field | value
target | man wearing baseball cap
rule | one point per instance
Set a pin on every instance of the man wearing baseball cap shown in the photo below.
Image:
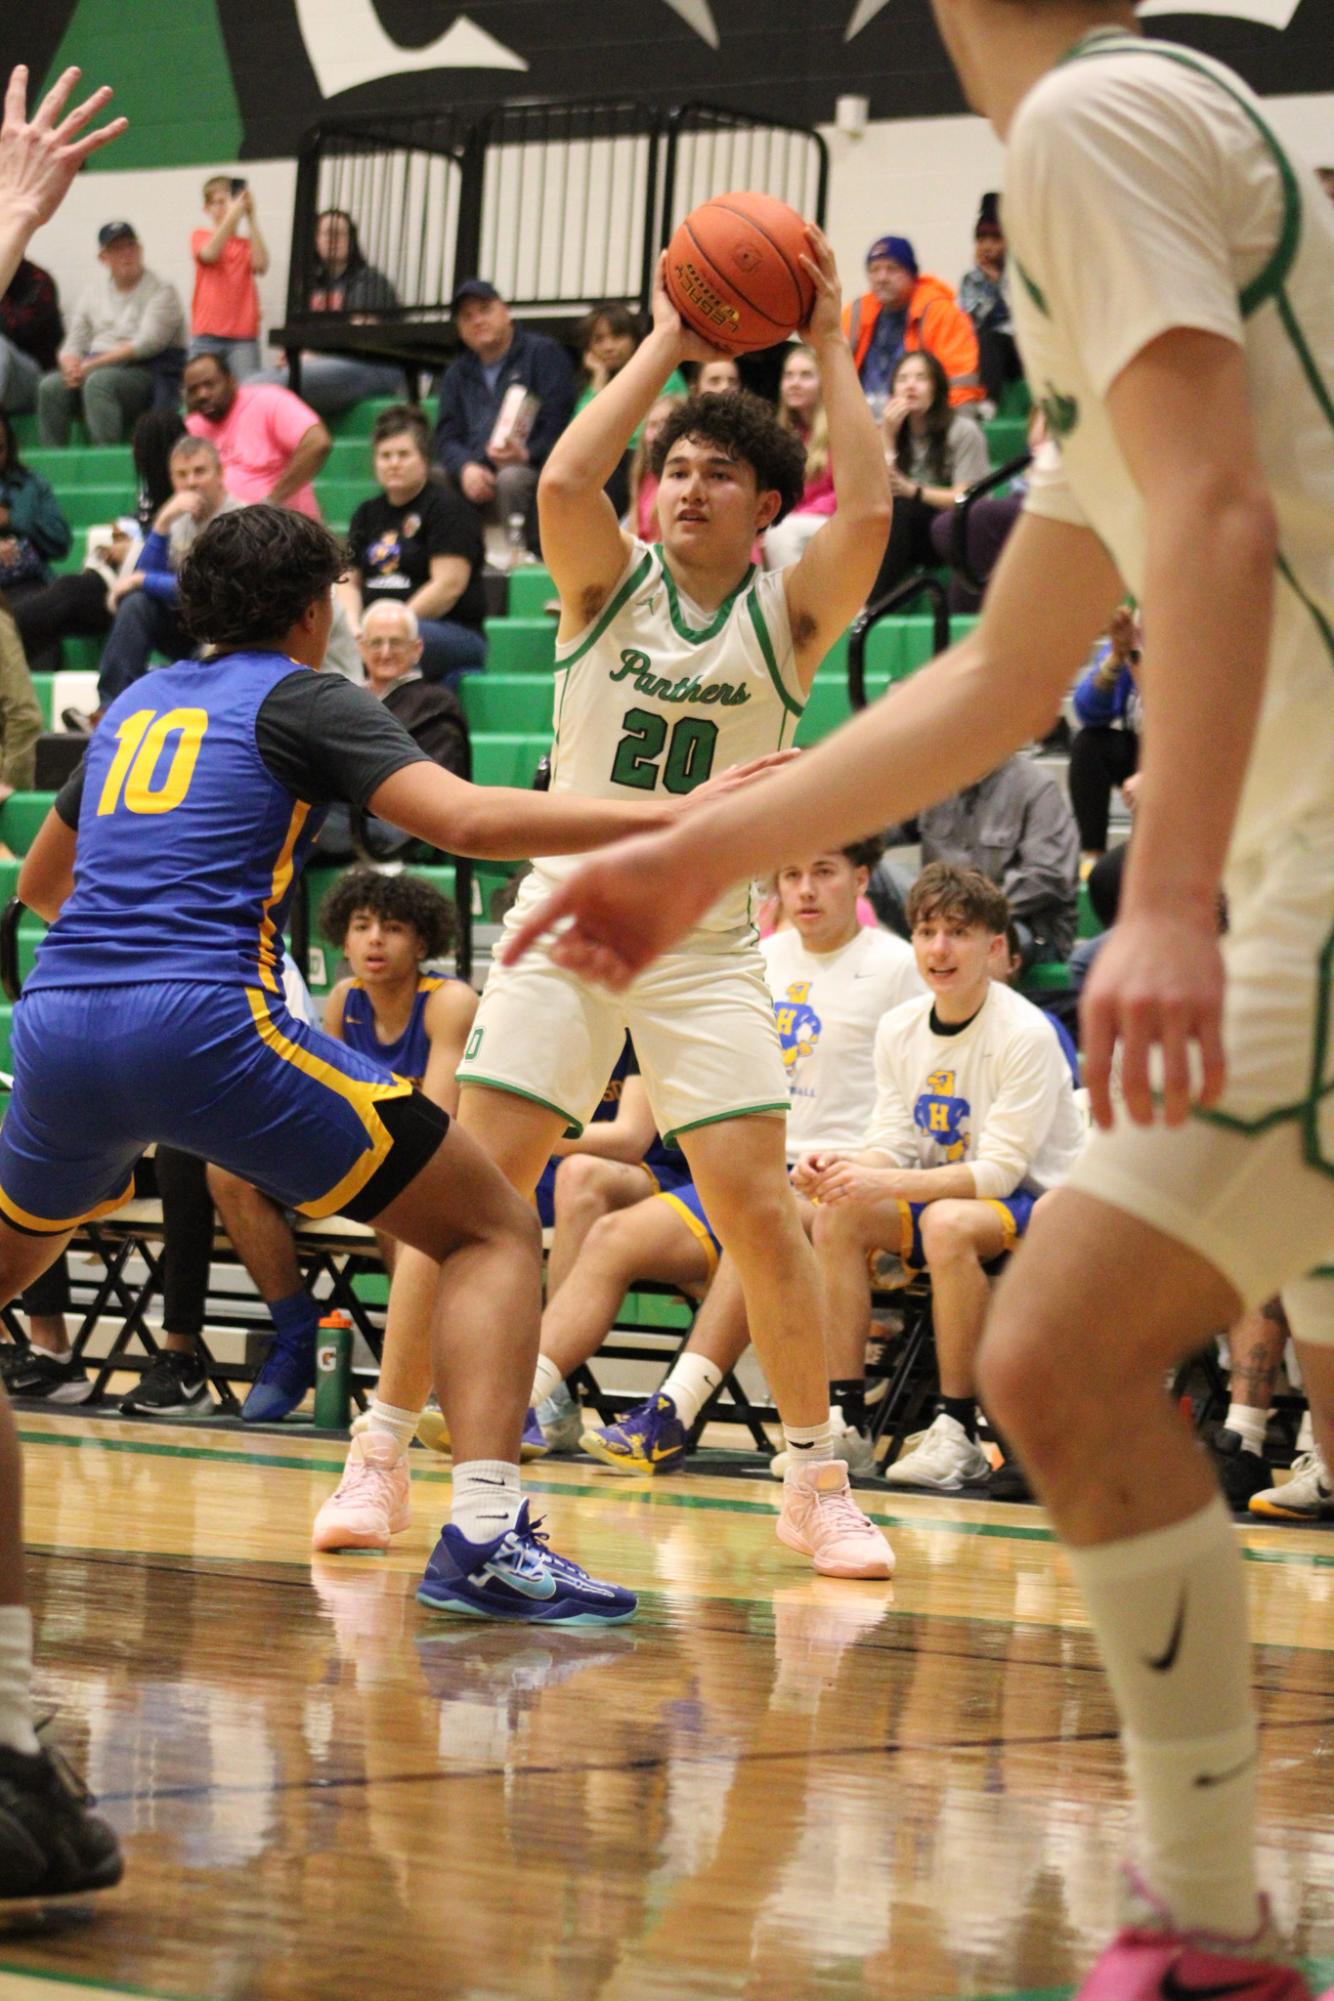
(497, 470)
(903, 311)
(123, 334)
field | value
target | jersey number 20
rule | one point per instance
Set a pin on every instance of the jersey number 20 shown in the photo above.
(689, 756)
(141, 749)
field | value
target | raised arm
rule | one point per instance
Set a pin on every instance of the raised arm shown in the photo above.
(39, 158)
(582, 541)
(833, 579)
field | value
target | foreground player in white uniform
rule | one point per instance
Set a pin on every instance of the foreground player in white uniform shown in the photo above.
(1173, 274)
(673, 661)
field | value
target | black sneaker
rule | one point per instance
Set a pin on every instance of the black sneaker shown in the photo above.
(1009, 1482)
(50, 1844)
(14, 1355)
(175, 1387)
(41, 1377)
(1241, 1472)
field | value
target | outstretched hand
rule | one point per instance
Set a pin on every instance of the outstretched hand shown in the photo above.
(39, 157)
(825, 320)
(736, 776)
(618, 912)
(1158, 984)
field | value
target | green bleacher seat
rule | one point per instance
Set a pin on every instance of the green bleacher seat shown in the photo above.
(1047, 977)
(520, 645)
(1015, 400)
(505, 758)
(31, 932)
(82, 506)
(42, 684)
(20, 817)
(1006, 438)
(1086, 923)
(9, 880)
(84, 465)
(507, 701)
(530, 588)
(6, 1023)
(357, 422)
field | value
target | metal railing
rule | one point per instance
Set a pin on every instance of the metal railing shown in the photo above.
(960, 560)
(921, 585)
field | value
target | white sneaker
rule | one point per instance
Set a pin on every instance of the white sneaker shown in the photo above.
(1305, 1496)
(855, 1448)
(945, 1460)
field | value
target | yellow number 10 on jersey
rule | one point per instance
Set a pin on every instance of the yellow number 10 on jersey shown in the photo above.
(141, 750)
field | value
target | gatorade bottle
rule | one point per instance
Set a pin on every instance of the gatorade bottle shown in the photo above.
(333, 1372)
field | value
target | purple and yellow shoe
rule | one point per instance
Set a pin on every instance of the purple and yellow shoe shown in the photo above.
(648, 1439)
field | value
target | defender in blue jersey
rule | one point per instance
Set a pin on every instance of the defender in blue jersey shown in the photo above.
(177, 847)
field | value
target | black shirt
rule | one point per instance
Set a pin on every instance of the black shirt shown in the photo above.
(318, 735)
(392, 548)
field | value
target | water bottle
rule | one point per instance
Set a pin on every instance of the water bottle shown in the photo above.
(517, 540)
(333, 1372)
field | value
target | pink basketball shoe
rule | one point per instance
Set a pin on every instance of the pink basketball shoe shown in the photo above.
(371, 1502)
(1150, 1961)
(820, 1519)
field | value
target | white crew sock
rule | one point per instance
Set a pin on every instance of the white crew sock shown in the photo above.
(16, 1680)
(807, 1443)
(487, 1498)
(1169, 1612)
(1249, 1424)
(1306, 1434)
(691, 1383)
(547, 1378)
(388, 1418)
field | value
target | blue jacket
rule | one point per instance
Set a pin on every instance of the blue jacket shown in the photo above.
(34, 512)
(1097, 707)
(468, 409)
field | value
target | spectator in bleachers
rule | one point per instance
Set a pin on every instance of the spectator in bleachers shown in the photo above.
(1015, 826)
(419, 544)
(720, 377)
(143, 600)
(990, 519)
(607, 337)
(270, 442)
(831, 978)
(33, 531)
(498, 474)
(975, 1116)
(641, 515)
(984, 295)
(224, 316)
(904, 311)
(343, 282)
(20, 712)
(122, 349)
(801, 410)
(31, 331)
(1104, 750)
(390, 646)
(934, 454)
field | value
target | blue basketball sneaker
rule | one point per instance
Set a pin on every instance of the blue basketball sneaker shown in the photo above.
(534, 1445)
(517, 1577)
(648, 1439)
(280, 1385)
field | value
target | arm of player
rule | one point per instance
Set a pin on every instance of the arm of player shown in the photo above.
(46, 878)
(40, 157)
(834, 577)
(448, 1019)
(501, 823)
(1182, 415)
(626, 1138)
(582, 541)
(1050, 596)
(331, 1018)
(863, 1177)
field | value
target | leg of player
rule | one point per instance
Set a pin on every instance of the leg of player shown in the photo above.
(650, 1240)
(489, 1561)
(263, 1241)
(50, 1844)
(718, 1340)
(957, 1237)
(1255, 1348)
(1093, 1312)
(740, 1170)
(1308, 1496)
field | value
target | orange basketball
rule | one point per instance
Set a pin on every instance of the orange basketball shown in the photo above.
(734, 271)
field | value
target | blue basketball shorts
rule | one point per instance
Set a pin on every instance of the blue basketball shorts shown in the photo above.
(658, 1177)
(222, 1071)
(1013, 1211)
(685, 1200)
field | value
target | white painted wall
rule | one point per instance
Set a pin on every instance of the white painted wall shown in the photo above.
(919, 178)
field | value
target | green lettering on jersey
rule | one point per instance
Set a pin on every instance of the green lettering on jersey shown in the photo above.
(685, 691)
(1061, 412)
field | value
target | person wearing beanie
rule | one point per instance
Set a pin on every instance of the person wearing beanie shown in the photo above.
(903, 311)
(985, 296)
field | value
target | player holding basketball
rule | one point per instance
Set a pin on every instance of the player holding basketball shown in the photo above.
(672, 661)
(1173, 273)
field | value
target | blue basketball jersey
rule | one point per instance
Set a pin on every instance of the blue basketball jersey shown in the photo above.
(188, 847)
(407, 1056)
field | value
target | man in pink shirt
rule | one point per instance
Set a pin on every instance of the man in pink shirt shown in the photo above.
(270, 442)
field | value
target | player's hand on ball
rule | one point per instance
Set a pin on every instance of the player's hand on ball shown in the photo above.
(826, 316)
(689, 346)
(618, 911)
(1157, 983)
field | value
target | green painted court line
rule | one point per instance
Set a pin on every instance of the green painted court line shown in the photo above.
(652, 1498)
(91, 1984)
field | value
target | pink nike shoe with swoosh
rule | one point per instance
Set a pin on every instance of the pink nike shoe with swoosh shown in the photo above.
(1151, 1961)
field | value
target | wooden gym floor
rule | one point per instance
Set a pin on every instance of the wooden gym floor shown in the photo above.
(770, 1785)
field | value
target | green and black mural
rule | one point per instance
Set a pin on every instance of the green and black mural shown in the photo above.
(218, 79)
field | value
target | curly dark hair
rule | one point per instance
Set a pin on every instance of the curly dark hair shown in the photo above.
(865, 854)
(747, 428)
(251, 574)
(400, 899)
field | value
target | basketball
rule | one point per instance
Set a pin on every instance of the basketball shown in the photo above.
(734, 271)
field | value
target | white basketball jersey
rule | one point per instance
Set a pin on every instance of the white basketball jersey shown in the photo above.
(658, 695)
(1145, 191)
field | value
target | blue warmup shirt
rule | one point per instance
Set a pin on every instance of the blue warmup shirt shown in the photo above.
(407, 1056)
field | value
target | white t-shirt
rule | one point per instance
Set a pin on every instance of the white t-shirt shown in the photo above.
(659, 694)
(996, 1096)
(827, 1006)
(1145, 191)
